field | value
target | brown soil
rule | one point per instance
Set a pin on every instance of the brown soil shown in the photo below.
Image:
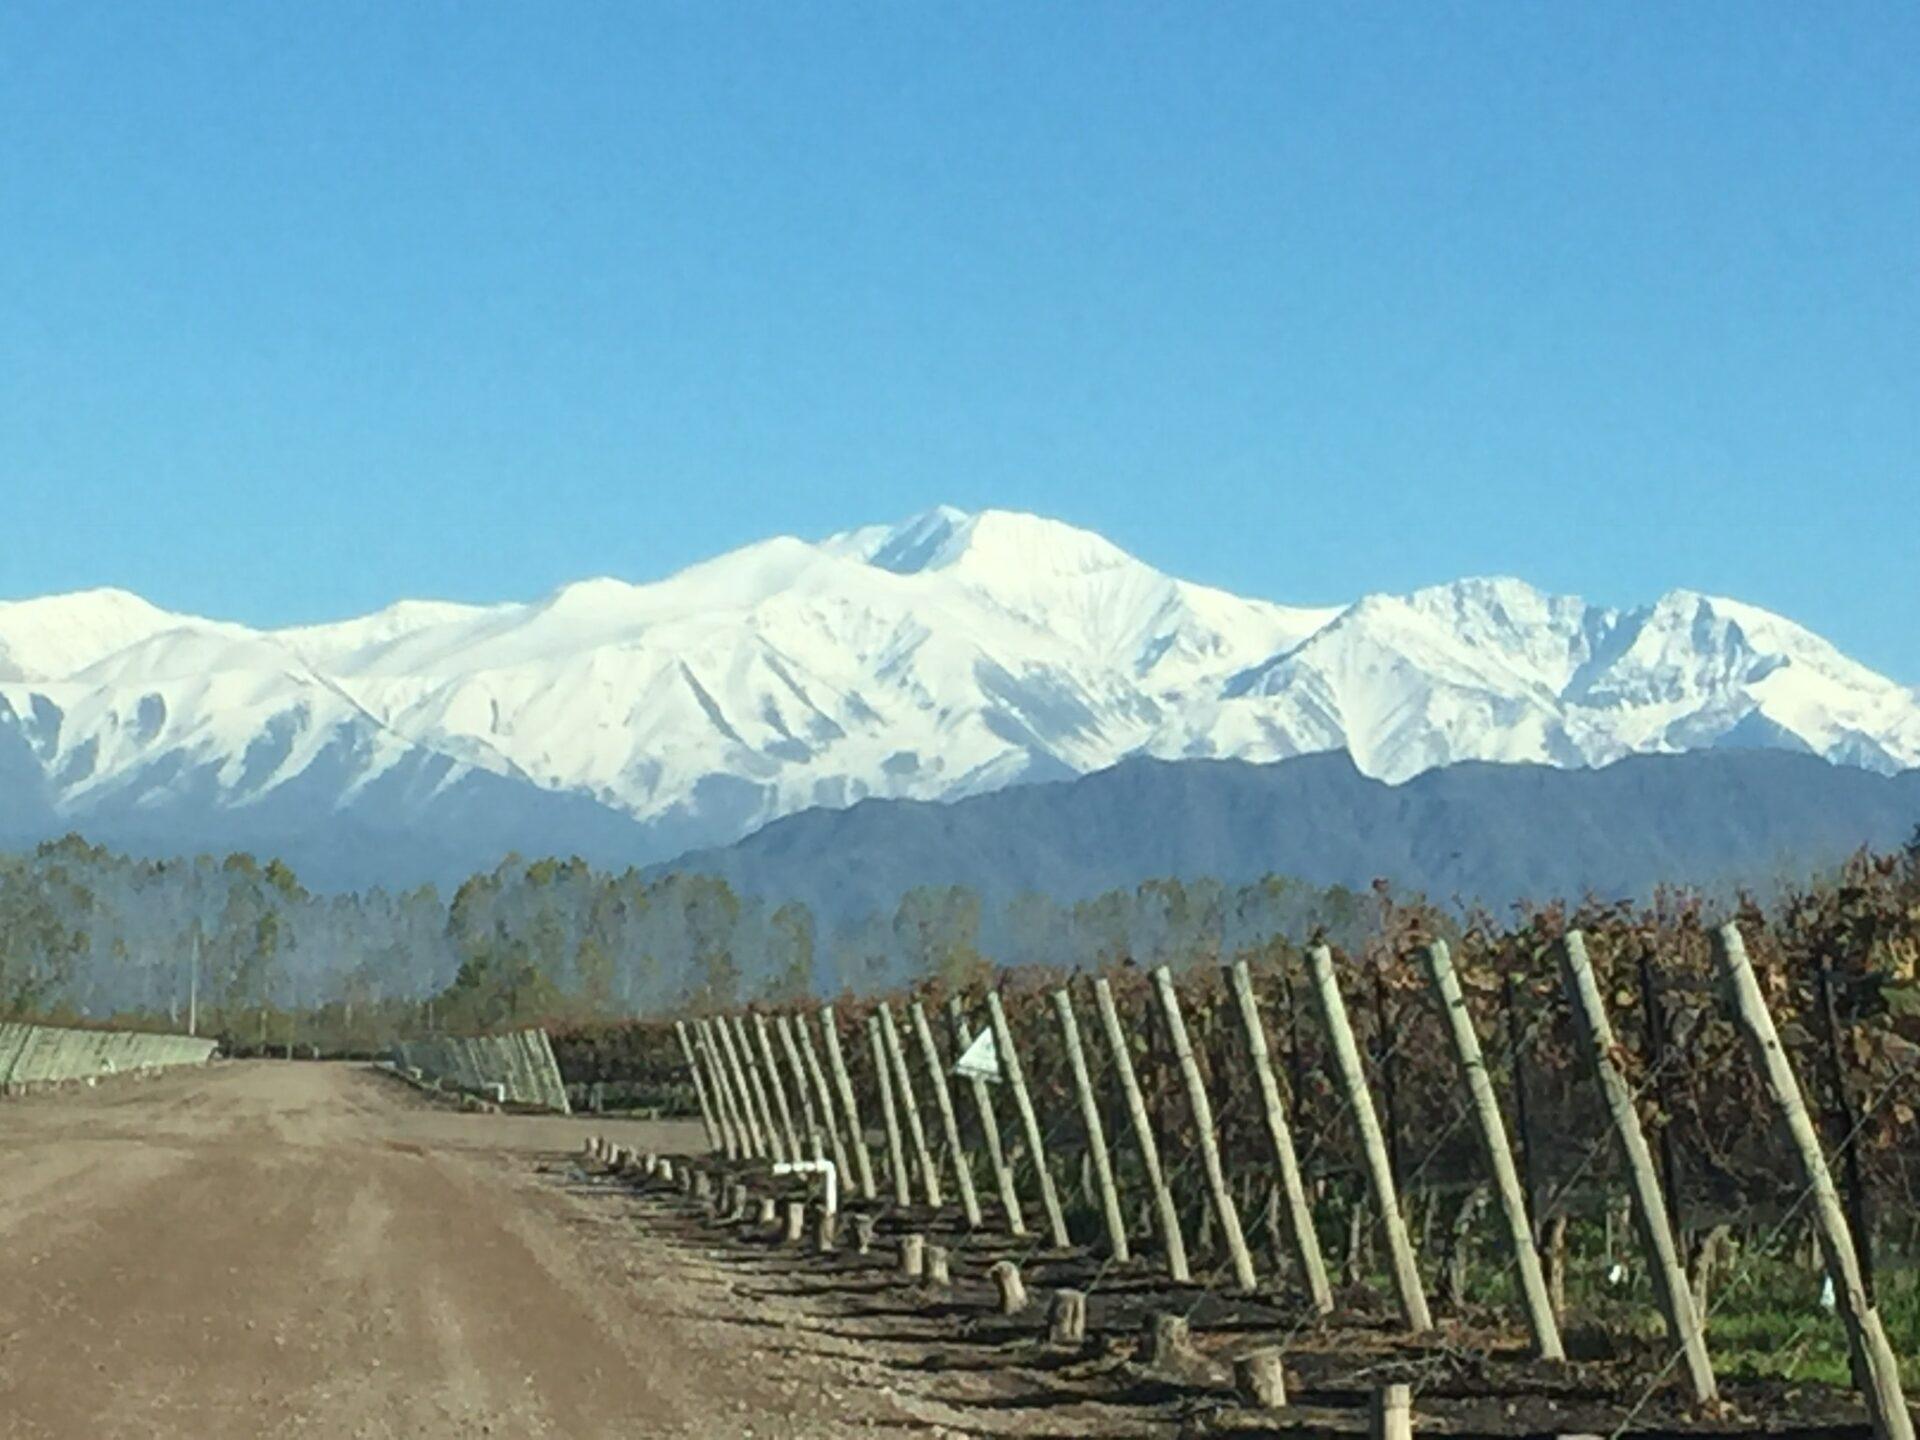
(265, 1248)
(955, 1366)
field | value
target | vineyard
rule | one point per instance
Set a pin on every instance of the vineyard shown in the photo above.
(1626, 1163)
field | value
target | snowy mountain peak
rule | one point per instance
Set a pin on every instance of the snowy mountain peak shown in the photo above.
(742, 578)
(56, 635)
(350, 640)
(905, 548)
(601, 596)
(950, 653)
(985, 544)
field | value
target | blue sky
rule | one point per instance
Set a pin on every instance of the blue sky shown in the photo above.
(308, 307)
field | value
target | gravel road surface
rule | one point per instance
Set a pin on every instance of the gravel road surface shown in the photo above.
(264, 1248)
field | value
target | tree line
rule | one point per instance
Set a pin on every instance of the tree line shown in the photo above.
(238, 947)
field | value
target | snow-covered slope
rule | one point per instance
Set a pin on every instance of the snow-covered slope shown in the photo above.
(948, 655)
(54, 636)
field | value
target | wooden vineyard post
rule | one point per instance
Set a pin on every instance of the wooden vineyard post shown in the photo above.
(1164, 1208)
(776, 1143)
(1306, 1243)
(913, 1257)
(939, 1267)
(825, 1098)
(1873, 1360)
(740, 1050)
(883, 1082)
(758, 1141)
(1496, 1152)
(730, 1103)
(1067, 1318)
(1036, 1143)
(1259, 1379)
(732, 1130)
(1391, 1415)
(929, 1172)
(795, 1150)
(1169, 1346)
(949, 1122)
(849, 1109)
(989, 1125)
(714, 1140)
(1650, 1209)
(784, 1029)
(1223, 1206)
(1096, 1132)
(1013, 1290)
(1353, 1080)
(717, 1070)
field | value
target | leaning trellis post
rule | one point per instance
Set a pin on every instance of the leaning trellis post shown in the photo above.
(732, 1141)
(783, 1028)
(989, 1124)
(1167, 1212)
(1306, 1242)
(916, 1132)
(849, 1108)
(1030, 1123)
(715, 1141)
(1096, 1132)
(1650, 1209)
(825, 1098)
(738, 1063)
(1353, 1080)
(883, 1082)
(1497, 1153)
(738, 1072)
(775, 1146)
(730, 1101)
(949, 1122)
(1874, 1364)
(1223, 1207)
(795, 1151)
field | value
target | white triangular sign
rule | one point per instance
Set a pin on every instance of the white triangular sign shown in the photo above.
(982, 1060)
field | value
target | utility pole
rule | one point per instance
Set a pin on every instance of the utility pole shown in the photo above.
(193, 986)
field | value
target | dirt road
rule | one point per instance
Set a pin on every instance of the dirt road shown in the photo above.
(270, 1249)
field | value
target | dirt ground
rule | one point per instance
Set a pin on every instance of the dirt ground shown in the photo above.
(265, 1248)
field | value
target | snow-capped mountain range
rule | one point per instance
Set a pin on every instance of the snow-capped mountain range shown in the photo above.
(948, 655)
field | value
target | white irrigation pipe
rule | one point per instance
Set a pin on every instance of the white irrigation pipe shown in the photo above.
(814, 1167)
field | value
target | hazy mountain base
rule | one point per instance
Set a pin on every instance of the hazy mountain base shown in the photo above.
(1488, 832)
(1150, 860)
(1485, 833)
